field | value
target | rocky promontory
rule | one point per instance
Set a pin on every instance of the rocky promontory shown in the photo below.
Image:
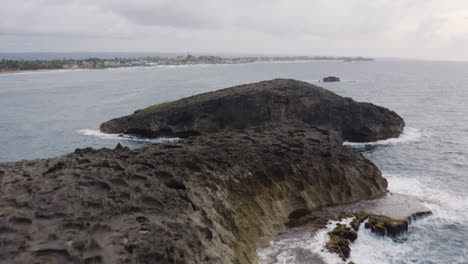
(253, 104)
(214, 198)
(255, 159)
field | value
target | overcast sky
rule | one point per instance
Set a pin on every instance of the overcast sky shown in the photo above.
(426, 29)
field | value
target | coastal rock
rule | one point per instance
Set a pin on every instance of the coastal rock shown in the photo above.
(387, 226)
(214, 198)
(340, 237)
(253, 104)
(331, 79)
(388, 215)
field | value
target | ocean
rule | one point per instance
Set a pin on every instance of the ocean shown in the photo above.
(49, 114)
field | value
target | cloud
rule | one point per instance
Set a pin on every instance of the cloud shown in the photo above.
(401, 28)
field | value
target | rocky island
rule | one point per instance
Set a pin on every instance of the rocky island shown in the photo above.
(253, 159)
(252, 104)
(331, 79)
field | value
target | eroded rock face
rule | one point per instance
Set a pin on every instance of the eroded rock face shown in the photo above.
(253, 104)
(211, 199)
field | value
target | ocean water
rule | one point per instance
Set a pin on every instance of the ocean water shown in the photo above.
(50, 114)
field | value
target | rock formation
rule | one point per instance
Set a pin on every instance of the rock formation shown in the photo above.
(331, 79)
(253, 104)
(256, 159)
(209, 199)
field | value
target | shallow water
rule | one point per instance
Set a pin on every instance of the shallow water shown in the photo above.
(50, 114)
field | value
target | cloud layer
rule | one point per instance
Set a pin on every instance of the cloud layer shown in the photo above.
(430, 29)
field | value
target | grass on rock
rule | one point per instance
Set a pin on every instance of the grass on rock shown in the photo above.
(156, 107)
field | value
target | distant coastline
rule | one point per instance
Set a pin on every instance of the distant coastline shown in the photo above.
(31, 66)
(42, 70)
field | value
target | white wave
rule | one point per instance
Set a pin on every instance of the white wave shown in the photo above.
(448, 208)
(370, 248)
(446, 205)
(410, 134)
(301, 246)
(97, 133)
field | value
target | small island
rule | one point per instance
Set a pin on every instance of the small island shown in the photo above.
(8, 66)
(331, 79)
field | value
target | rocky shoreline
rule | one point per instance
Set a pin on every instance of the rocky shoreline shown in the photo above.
(238, 181)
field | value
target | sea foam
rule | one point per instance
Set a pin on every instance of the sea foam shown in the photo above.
(97, 133)
(302, 246)
(410, 134)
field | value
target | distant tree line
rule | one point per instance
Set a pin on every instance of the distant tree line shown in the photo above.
(98, 63)
(15, 65)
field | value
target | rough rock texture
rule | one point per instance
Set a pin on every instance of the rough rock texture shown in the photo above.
(256, 103)
(211, 199)
(340, 238)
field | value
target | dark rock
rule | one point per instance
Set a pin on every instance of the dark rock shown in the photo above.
(331, 79)
(340, 237)
(253, 104)
(214, 199)
(359, 218)
(387, 226)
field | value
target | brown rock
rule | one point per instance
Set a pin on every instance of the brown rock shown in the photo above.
(210, 199)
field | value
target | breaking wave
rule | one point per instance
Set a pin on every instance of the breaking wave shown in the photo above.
(97, 133)
(410, 134)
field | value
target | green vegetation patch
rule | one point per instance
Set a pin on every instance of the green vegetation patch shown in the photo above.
(156, 107)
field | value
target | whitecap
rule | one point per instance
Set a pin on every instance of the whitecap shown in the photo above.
(97, 133)
(300, 246)
(410, 134)
(445, 204)
(370, 248)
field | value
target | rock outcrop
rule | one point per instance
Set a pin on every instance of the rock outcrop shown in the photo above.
(331, 79)
(253, 104)
(209, 199)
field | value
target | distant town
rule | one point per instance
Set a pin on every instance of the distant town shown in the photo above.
(100, 63)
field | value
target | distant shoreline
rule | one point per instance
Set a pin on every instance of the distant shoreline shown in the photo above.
(34, 66)
(43, 70)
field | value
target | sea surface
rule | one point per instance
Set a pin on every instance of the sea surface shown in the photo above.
(49, 114)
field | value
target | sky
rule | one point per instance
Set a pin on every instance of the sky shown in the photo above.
(421, 29)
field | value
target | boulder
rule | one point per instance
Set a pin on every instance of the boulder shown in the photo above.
(253, 104)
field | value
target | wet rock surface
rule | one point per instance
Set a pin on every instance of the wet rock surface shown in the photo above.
(340, 238)
(389, 215)
(214, 198)
(253, 104)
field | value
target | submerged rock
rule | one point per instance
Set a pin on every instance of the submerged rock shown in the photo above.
(389, 215)
(253, 104)
(331, 79)
(214, 198)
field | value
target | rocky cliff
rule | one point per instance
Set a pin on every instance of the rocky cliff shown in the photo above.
(209, 199)
(253, 104)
